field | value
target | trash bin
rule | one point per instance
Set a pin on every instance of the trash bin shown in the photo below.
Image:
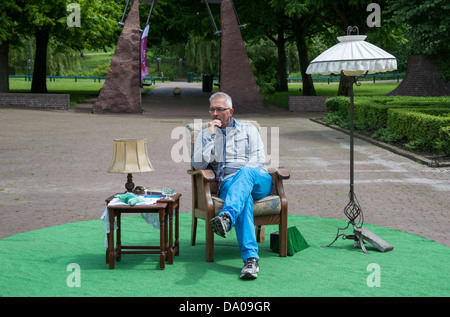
(190, 77)
(207, 84)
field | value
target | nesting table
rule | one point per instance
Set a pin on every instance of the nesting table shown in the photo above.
(167, 248)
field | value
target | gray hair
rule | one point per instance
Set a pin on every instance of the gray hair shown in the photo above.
(228, 101)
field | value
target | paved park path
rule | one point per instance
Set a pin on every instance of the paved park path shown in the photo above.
(53, 166)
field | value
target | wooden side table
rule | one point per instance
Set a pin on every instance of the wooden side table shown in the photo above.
(114, 253)
(166, 208)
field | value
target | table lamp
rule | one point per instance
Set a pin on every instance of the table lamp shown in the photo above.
(130, 156)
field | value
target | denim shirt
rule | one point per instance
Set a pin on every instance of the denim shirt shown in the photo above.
(244, 147)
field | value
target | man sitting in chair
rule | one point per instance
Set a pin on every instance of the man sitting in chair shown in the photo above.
(235, 152)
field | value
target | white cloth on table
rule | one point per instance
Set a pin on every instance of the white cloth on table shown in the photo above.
(150, 218)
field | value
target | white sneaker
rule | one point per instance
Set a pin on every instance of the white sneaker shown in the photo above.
(250, 269)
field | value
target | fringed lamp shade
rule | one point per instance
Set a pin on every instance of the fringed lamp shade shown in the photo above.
(353, 56)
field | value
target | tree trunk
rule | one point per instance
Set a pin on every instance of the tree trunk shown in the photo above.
(345, 85)
(281, 66)
(308, 85)
(39, 83)
(4, 70)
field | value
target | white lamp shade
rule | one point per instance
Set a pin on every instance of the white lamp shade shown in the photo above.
(353, 56)
(130, 156)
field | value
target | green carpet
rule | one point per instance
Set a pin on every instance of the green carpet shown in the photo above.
(36, 263)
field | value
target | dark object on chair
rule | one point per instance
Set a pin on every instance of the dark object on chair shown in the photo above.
(206, 204)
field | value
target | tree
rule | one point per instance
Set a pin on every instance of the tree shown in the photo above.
(8, 12)
(177, 21)
(283, 21)
(303, 15)
(280, 41)
(427, 25)
(47, 21)
(182, 29)
(262, 21)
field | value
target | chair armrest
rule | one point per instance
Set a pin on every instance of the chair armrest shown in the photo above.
(278, 175)
(280, 172)
(207, 175)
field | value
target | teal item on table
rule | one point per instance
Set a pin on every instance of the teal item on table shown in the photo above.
(135, 200)
(126, 197)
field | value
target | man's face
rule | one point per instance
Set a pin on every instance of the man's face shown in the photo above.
(215, 109)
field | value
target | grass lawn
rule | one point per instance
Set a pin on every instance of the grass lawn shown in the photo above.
(91, 61)
(79, 91)
(366, 89)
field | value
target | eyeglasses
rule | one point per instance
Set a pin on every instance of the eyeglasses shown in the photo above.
(219, 110)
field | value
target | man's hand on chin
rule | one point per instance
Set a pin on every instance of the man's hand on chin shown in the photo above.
(213, 124)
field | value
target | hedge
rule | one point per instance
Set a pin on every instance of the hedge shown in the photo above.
(443, 142)
(424, 118)
(415, 125)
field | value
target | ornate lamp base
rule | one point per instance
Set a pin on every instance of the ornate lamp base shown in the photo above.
(353, 211)
(357, 236)
(129, 185)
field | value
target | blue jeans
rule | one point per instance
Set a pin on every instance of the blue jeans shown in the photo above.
(238, 192)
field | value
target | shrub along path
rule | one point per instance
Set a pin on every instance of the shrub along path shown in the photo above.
(420, 124)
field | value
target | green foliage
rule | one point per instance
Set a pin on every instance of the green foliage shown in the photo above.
(90, 61)
(416, 125)
(442, 144)
(201, 55)
(59, 63)
(342, 121)
(101, 70)
(423, 121)
(418, 144)
(46, 20)
(427, 24)
(8, 11)
(386, 135)
(263, 58)
(373, 111)
(338, 104)
(333, 118)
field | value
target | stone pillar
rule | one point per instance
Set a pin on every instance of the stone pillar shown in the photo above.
(121, 91)
(236, 76)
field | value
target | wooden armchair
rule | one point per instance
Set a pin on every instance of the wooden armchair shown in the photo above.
(206, 204)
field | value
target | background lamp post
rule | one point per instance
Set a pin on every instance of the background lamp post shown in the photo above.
(352, 56)
(130, 156)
